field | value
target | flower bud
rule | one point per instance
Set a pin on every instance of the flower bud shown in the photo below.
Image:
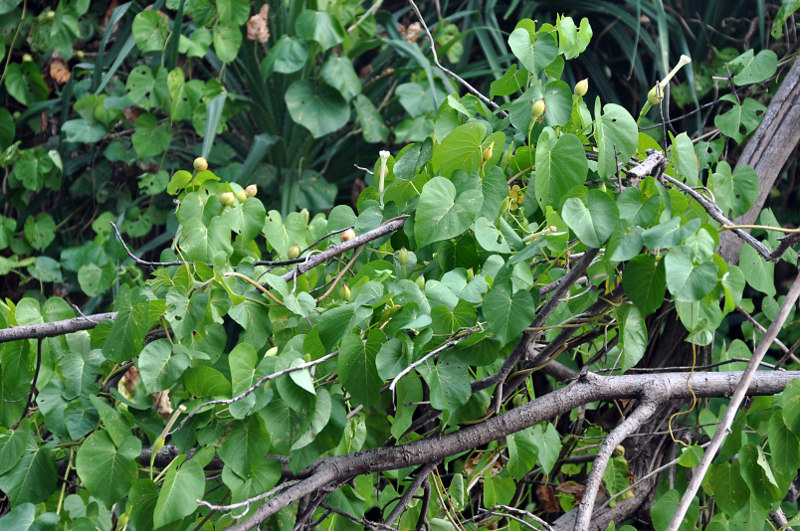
(402, 256)
(241, 196)
(348, 235)
(294, 251)
(420, 282)
(227, 199)
(487, 153)
(538, 109)
(581, 87)
(271, 352)
(251, 190)
(345, 293)
(200, 164)
(383, 171)
(27, 58)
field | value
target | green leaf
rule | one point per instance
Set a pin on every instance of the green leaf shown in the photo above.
(665, 507)
(683, 159)
(235, 12)
(25, 83)
(40, 231)
(134, 319)
(740, 120)
(139, 85)
(760, 273)
(534, 50)
(12, 446)
(592, 221)
(287, 56)
(686, 280)
(461, 149)
(522, 456)
(33, 478)
(785, 449)
(633, 335)
(513, 81)
(107, 471)
(548, 445)
(206, 381)
(615, 476)
(727, 486)
(82, 131)
(246, 445)
(448, 380)
(197, 45)
(80, 370)
(614, 129)
(644, 281)
(750, 68)
(497, 490)
(158, 367)
(440, 215)
(356, 366)
(319, 26)
(227, 40)
(372, 125)
(560, 165)
(791, 406)
(142, 501)
(201, 243)
(508, 314)
(734, 193)
(757, 473)
(150, 30)
(20, 518)
(150, 139)
(80, 418)
(321, 110)
(572, 40)
(338, 72)
(489, 237)
(179, 493)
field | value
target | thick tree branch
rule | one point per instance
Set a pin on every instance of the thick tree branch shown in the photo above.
(640, 415)
(767, 151)
(659, 387)
(736, 400)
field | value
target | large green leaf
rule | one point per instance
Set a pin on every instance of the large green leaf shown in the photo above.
(206, 381)
(754, 68)
(200, 242)
(740, 120)
(227, 40)
(507, 313)
(245, 446)
(339, 73)
(735, 192)
(149, 138)
(665, 507)
(319, 26)
(760, 273)
(440, 215)
(32, 479)
(288, 55)
(791, 406)
(448, 380)
(80, 372)
(460, 149)
(644, 281)
(686, 280)
(321, 110)
(135, 317)
(150, 29)
(107, 471)
(560, 165)
(592, 220)
(727, 486)
(158, 367)
(180, 491)
(356, 366)
(534, 50)
(614, 130)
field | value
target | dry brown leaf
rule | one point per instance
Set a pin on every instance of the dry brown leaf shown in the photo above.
(571, 487)
(161, 404)
(412, 32)
(258, 27)
(59, 70)
(129, 381)
(547, 498)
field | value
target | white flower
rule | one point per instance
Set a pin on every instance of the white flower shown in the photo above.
(383, 171)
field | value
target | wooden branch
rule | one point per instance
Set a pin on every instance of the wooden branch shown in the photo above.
(767, 151)
(640, 415)
(661, 387)
(736, 400)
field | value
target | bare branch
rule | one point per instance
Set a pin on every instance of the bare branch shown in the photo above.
(661, 387)
(55, 328)
(640, 415)
(736, 400)
(252, 388)
(419, 477)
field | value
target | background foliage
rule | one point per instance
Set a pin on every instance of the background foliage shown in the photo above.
(106, 108)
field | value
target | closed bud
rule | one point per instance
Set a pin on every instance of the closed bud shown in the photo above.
(345, 293)
(27, 58)
(271, 352)
(200, 164)
(51, 15)
(294, 251)
(655, 95)
(241, 196)
(227, 199)
(581, 87)
(538, 109)
(402, 256)
(348, 235)
(251, 190)
(420, 282)
(487, 153)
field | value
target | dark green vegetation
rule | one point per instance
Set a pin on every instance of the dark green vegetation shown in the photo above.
(363, 291)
